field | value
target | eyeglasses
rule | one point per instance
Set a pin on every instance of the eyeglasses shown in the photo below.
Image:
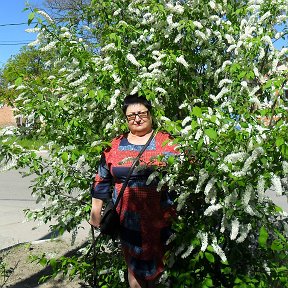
(140, 114)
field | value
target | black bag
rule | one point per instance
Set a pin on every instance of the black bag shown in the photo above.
(110, 221)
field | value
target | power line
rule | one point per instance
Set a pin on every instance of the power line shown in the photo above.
(13, 44)
(16, 24)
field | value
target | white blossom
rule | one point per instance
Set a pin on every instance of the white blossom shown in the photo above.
(186, 120)
(209, 185)
(188, 251)
(229, 39)
(160, 90)
(234, 229)
(121, 276)
(135, 90)
(34, 43)
(276, 182)
(223, 82)
(218, 250)
(285, 167)
(244, 230)
(178, 9)
(79, 81)
(113, 100)
(244, 84)
(108, 47)
(235, 157)
(200, 35)
(49, 46)
(33, 30)
(247, 195)
(198, 24)
(45, 15)
(211, 209)
(182, 61)
(223, 91)
(178, 38)
(155, 65)
(117, 12)
(198, 134)
(133, 60)
(231, 47)
(170, 20)
(203, 175)
(261, 188)
(212, 4)
(265, 16)
(204, 240)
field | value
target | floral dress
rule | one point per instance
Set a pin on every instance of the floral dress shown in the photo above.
(145, 213)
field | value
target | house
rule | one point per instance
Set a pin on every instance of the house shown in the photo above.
(6, 116)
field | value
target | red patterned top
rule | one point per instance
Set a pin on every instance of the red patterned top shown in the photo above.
(145, 212)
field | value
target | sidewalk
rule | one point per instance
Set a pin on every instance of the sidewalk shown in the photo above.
(15, 196)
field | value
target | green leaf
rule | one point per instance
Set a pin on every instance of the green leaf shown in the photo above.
(263, 237)
(65, 156)
(197, 111)
(211, 133)
(210, 257)
(276, 245)
(31, 17)
(18, 81)
(279, 141)
(170, 160)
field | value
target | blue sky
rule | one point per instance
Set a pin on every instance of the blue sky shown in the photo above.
(11, 13)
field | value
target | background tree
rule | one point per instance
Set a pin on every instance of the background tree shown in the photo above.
(210, 69)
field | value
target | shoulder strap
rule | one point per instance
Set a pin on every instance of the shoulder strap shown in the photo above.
(136, 160)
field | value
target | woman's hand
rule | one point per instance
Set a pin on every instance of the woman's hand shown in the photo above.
(95, 215)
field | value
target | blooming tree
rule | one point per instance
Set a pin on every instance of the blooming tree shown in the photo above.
(210, 70)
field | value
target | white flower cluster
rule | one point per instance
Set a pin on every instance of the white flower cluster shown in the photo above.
(8, 165)
(188, 251)
(285, 167)
(33, 30)
(261, 188)
(182, 61)
(203, 236)
(247, 195)
(177, 9)
(234, 229)
(49, 46)
(244, 230)
(218, 250)
(203, 176)
(133, 60)
(212, 208)
(276, 182)
(45, 15)
(247, 165)
(109, 47)
(79, 81)
(236, 157)
(113, 100)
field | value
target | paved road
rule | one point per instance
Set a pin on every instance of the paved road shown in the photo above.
(15, 196)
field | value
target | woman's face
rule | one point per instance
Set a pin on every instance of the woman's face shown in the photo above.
(139, 119)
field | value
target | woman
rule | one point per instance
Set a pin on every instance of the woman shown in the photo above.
(145, 213)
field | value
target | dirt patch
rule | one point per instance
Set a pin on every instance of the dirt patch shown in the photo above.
(22, 272)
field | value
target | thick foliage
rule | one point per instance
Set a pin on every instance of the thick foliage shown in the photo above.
(211, 70)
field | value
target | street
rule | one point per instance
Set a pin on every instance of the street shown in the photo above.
(15, 196)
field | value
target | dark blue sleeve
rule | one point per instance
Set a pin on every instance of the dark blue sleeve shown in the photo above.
(101, 188)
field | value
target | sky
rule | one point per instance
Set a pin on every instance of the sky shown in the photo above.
(12, 37)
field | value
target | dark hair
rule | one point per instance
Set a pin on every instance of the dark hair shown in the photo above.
(136, 99)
